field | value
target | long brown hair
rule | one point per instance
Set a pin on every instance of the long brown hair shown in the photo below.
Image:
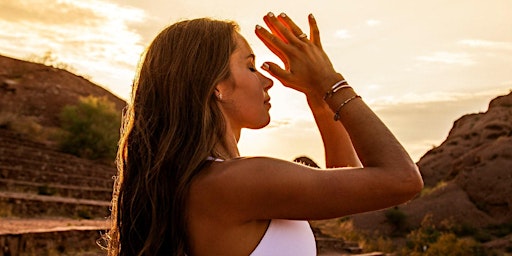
(170, 127)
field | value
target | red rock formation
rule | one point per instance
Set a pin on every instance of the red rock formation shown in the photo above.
(469, 174)
(477, 157)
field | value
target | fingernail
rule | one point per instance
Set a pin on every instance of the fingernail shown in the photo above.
(270, 14)
(311, 16)
(258, 27)
(283, 15)
(265, 66)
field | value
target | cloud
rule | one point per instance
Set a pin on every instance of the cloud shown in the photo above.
(278, 123)
(476, 43)
(373, 23)
(448, 58)
(67, 12)
(422, 120)
(435, 97)
(342, 33)
(47, 12)
(90, 35)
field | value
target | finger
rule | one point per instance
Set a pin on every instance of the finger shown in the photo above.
(280, 29)
(273, 43)
(275, 31)
(313, 31)
(288, 22)
(274, 70)
(277, 46)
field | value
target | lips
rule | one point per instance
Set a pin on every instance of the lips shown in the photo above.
(267, 102)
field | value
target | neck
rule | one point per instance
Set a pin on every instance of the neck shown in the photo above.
(229, 148)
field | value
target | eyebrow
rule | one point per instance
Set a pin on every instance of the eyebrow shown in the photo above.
(251, 56)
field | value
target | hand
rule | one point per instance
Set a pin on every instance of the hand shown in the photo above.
(306, 66)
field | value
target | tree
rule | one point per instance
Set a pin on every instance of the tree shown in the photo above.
(91, 128)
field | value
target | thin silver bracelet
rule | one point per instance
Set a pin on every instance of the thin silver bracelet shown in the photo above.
(336, 87)
(337, 113)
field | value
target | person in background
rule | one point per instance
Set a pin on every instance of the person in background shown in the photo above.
(183, 188)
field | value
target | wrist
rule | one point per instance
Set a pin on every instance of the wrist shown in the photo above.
(324, 85)
(338, 101)
(328, 82)
(316, 101)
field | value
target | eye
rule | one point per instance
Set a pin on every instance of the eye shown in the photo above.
(252, 69)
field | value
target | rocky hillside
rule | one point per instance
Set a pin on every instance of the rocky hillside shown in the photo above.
(51, 203)
(468, 177)
(477, 158)
(38, 92)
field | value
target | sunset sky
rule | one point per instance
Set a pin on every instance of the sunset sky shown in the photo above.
(419, 64)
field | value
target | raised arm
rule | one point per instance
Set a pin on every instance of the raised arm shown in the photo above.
(338, 148)
(265, 188)
(309, 70)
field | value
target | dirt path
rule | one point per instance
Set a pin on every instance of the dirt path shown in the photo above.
(59, 199)
(20, 226)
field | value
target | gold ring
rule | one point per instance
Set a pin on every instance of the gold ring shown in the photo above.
(302, 36)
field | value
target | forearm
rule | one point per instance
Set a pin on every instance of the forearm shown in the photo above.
(339, 151)
(375, 145)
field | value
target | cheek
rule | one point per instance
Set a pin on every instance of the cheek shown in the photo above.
(250, 90)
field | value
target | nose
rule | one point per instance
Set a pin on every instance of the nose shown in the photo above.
(267, 82)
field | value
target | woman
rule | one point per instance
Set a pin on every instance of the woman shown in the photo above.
(182, 186)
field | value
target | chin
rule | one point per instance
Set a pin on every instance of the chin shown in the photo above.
(260, 125)
(266, 123)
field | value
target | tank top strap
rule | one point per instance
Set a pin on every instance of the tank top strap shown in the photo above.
(211, 158)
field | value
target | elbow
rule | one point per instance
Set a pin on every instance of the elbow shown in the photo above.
(406, 182)
(412, 182)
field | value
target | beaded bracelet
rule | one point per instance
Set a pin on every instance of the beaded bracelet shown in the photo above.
(337, 113)
(336, 87)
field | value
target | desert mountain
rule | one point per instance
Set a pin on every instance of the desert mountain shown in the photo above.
(468, 177)
(38, 92)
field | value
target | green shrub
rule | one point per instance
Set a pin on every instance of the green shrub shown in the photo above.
(429, 240)
(463, 230)
(483, 236)
(418, 240)
(396, 217)
(91, 128)
(501, 230)
(380, 244)
(449, 244)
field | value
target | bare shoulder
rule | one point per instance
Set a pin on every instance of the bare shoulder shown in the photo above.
(245, 171)
(245, 168)
(232, 183)
(268, 188)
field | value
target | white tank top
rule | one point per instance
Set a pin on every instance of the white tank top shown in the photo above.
(284, 237)
(287, 238)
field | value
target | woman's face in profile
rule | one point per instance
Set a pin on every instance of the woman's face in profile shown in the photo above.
(245, 98)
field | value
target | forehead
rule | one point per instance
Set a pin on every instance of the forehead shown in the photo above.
(242, 47)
